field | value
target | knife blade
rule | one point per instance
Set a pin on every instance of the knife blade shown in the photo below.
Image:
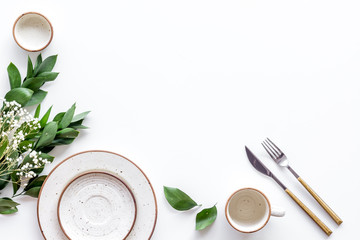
(258, 165)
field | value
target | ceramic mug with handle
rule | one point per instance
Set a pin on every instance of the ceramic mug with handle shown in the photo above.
(248, 210)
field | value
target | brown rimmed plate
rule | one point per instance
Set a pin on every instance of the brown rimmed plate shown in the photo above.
(103, 161)
(96, 205)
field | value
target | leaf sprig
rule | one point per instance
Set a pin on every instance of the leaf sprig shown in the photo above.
(28, 92)
(61, 130)
(182, 202)
(8, 206)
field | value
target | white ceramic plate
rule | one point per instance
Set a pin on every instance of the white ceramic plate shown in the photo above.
(91, 161)
(96, 206)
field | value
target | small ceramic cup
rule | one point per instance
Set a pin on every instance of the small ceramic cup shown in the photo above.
(32, 31)
(248, 210)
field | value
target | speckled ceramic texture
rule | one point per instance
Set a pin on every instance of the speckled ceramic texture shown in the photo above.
(32, 31)
(96, 206)
(103, 161)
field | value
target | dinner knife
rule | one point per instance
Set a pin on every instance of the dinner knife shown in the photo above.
(258, 165)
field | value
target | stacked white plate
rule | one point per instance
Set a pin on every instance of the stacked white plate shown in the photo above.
(97, 195)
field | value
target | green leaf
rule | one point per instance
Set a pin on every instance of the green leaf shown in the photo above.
(14, 76)
(27, 159)
(30, 69)
(6, 210)
(4, 181)
(16, 182)
(24, 145)
(78, 126)
(38, 63)
(34, 83)
(4, 178)
(178, 199)
(20, 95)
(49, 76)
(66, 120)
(45, 118)
(33, 192)
(48, 134)
(205, 218)
(47, 65)
(37, 112)
(37, 98)
(7, 202)
(79, 116)
(8, 206)
(47, 156)
(77, 123)
(35, 182)
(62, 141)
(33, 135)
(67, 133)
(58, 117)
(47, 149)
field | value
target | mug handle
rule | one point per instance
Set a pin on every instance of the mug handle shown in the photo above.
(277, 211)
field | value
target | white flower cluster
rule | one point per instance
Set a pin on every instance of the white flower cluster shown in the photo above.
(26, 170)
(15, 124)
(14, 114)
(28, 173)
(37, 160)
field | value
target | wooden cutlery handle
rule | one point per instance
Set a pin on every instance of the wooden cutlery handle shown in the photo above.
(310, 213)
(333, 215)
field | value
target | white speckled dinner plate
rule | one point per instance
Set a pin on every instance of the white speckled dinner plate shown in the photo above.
(96, 206)
(97, 161)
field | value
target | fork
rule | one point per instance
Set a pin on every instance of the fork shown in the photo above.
(280, 158)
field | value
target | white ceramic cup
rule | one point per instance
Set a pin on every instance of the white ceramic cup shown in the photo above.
(248, 210)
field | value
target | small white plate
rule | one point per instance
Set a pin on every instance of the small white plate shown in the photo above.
(96, 205)
(32, 31)
(103, 161)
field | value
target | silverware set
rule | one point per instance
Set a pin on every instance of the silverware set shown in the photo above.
(280, 158)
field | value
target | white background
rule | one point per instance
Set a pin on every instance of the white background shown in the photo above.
(180, 87)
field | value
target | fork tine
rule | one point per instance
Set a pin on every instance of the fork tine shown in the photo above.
(278, 154)
(268, 145)
(273, 144)
(272, 155)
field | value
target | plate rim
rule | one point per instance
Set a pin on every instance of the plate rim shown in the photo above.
(92, 172)
(103, 151)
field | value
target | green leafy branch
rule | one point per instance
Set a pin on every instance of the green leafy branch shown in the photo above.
(182, 202)
(28, 92)
(61, 130)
